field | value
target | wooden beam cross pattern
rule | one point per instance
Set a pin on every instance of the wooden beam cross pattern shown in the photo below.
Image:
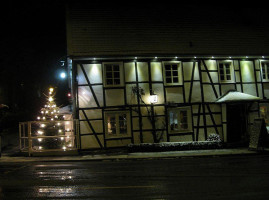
(91, 127)
(210, 79)
(89, 83)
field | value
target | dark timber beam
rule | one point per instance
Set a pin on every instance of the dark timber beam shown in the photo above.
(89, 83)
(93, 131)
(212, 118)
(210, 79)
(192, 77)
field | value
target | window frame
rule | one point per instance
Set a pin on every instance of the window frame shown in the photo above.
(225, 75)
(189, 118)
(179, 72)
(117, 114)
(267, 71)
(121, 74)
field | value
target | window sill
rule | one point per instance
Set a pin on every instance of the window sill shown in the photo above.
(118, 137)
(180, 132)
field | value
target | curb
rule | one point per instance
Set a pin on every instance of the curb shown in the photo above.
(134, 156)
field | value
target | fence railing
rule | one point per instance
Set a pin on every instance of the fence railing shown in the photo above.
(48, 136)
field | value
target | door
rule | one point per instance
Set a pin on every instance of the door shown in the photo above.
(236, 123)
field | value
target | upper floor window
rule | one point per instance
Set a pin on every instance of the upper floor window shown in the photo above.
(117, 123)
(180, 119)
(265, 70)
(113, 74)
(226, 73)
(172, 73)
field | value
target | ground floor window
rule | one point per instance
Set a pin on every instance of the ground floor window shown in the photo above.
(180, 119)
(117, 123)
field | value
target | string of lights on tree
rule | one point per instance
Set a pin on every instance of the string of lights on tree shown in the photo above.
(52, 130)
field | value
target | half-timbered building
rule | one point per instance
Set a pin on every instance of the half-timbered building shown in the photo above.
(150, 73)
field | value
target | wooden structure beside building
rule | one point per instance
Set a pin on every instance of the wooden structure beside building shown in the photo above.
(140, 77)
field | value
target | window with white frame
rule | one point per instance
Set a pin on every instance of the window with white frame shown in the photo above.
(180, 119)
(172, 73)
(113, 74)
(117, 123)
(265, 70)
(226, 73)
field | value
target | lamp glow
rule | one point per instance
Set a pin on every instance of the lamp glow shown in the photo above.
(153, 98)
(63, 75)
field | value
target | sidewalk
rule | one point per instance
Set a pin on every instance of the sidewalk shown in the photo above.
(129, 156)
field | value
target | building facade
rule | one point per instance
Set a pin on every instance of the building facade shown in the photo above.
(143, 92)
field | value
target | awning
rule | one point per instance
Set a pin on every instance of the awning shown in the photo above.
(235, 96)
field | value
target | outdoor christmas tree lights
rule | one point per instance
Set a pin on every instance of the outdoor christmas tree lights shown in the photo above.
(52, 131)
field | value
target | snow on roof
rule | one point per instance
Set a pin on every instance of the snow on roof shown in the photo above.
(235, 96)
(65, 110)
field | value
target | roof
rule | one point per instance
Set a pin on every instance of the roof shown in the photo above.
(235, 96)
(158, 29)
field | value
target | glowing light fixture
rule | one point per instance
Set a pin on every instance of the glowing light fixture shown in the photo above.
(63, 75)
(153, 98)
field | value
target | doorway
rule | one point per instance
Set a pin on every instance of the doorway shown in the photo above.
(236, 123)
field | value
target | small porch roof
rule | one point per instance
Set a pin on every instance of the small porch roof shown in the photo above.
(235, 96)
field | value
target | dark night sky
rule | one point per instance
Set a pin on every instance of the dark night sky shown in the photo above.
(35, 32)
(32, 43)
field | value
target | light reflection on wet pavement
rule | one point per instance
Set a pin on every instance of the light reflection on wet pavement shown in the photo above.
(199, 178)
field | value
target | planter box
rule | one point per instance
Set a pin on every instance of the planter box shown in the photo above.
(174, 146)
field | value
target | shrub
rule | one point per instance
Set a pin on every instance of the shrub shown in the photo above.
(214, 137)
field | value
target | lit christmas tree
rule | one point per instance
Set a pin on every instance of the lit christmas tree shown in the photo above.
(50, 110)
(52, 131)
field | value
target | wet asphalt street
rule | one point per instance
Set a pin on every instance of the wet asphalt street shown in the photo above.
(236, 177)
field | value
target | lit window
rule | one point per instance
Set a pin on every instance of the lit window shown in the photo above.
(180, 119)
(113, 74)
(265, 71)
(117, 124)
(172, 73)
(226, 72)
